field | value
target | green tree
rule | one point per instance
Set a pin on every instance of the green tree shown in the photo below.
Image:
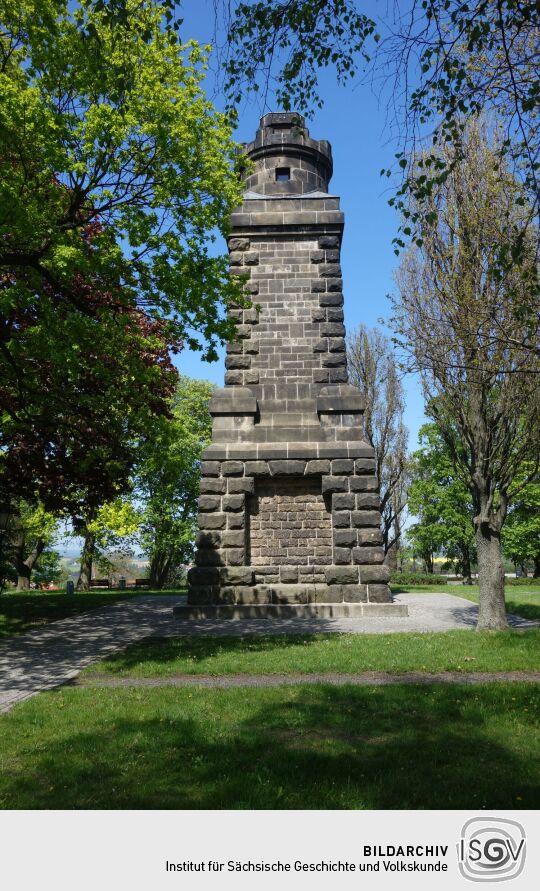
(167, 480)
(521, 534)
(32, 532)
(442, 503)
(446, 60)
(113, 525)
(115, 174)
(452, 304)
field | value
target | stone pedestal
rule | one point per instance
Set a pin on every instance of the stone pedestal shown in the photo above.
(289, 507)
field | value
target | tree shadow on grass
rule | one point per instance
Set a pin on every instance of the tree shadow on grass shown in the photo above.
(530, 611)
(161, 650)
(316, 747)
(21, 611)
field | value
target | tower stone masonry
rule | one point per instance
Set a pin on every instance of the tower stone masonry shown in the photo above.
(289, 511)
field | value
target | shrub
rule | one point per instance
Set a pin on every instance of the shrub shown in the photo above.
(417, 578)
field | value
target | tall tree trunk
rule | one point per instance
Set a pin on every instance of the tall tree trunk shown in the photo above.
(466, 563)
(536, 570)
(160, 563)
(25, 567)
(428, 563)
(87, 557)
(492, 612)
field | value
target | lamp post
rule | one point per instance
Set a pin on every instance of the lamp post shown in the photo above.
(5, 521)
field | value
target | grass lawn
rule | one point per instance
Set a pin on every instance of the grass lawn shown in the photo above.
(289, 747)
(22, 611)
(525, 601)
(346, 653)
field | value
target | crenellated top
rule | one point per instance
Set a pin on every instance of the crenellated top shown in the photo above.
(287, 161)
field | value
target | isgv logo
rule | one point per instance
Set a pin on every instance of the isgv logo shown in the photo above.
(491, 849)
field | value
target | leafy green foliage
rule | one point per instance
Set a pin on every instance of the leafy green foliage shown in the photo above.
(406, 579)
(305, 36)
(167, 480)
(462, 59)
(115, 174)
(521, 537)
(442, 503)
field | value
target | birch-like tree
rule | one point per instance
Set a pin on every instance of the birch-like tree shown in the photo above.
(374, 370)
(452, 305)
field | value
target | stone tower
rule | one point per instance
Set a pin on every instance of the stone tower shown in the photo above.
(289, 507)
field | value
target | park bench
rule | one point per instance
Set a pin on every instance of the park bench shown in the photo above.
(141, 583)
(100, 583)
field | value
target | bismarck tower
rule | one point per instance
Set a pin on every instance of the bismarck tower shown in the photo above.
(289, 508)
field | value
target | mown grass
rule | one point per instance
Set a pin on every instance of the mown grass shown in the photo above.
(22, 611)
(523, 601)
(462, 651)
(287, 747)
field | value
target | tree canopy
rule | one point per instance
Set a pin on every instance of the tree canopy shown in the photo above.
(116, 173)
(481, 388)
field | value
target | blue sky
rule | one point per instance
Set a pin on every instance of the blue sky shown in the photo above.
(353, 120)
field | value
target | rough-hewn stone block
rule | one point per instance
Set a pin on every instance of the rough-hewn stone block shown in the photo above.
(234, 363)
(369, 574)
(212, 521)
(367, 501)
(246, 485)
(209, 539)
(335, 484)
(209, 557)
(343, 501)
(238, 244)
(209, 502)
(342, 555)
(369, 536)
(344, 537)
(233, 539)
(318, 466)
(203, 575)
(365, 518)
(233, 502)
(234, 378)
(342, 465)
(333, 329)
(365, 465)
(341, 518)
(331, 299)
(213, 486)
(257, 468)
(285, 468)
(232, 468)
(288, 574)
(364, 484)
(379, 594)
(210, 468)
(341, 575)
(236, 575)
(368, 555)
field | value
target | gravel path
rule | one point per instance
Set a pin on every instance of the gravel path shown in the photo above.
(55, 654)
(366, 678)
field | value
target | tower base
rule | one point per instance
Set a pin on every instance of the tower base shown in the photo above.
(293, 611)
